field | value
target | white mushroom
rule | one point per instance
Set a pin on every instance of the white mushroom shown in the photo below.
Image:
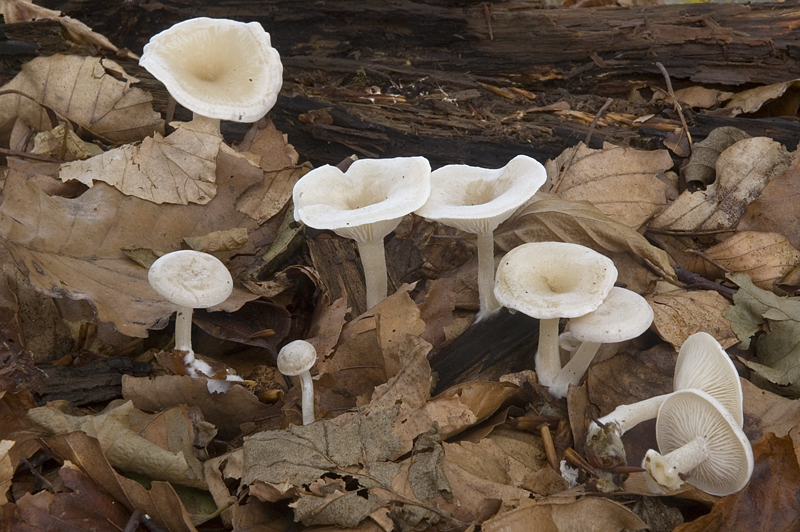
(365, 203)
(623, 315)
(700, 441)
(477, 200)
(552, 280)
(296, 359)
(190, 280)
(702, 364)
(217, 68)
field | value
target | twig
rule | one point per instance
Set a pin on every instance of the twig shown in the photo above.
(33, 156)
(693, 281)
(487, 13)
(597, 117)
(675, 101)
(549, 447)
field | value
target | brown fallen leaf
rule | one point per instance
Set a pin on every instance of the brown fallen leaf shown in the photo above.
(681, 313)
(743, 170)
(73, 246)
(775, 211)
(226, 411)
(83, 506)
(765, 257)
(597, 176)
(696, 96)
(160, 501)
(179, 168)
(770, 500)
(123, 447)
(767, 412)
(550, 218)
(702, 164)
(62, 143)
(87, 91)
(563, 514)
(18, 436)
(268, 197)
(752, 100)
(26, 11)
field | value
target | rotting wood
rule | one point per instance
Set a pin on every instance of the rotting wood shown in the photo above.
(488, 349)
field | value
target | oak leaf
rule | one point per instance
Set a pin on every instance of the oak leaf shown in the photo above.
(87, 91)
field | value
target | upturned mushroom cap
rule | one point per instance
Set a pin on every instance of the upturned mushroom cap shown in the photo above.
(366, 202)
(687, 414)
(703, 364)
(623, 315)
(477, 199)
(217, 68)
(191, 279)
(296, 357)
(547, 280)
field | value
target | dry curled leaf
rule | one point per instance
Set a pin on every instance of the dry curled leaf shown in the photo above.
(743, 170)
(179, 168)
(681, 313)
(123, 447)
(765, 257)
(597, 176)
(702, 164)
(550, 218)
(83, 90)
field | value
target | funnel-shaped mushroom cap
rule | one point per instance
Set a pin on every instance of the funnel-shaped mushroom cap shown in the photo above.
(548, 280)
(689, 414)
(623, 315)
(296, 357)
(191, 279)
(477, 200)
(703, 364)
(217, 68)
(366, 202)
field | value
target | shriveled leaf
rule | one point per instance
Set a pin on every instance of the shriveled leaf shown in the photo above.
(88, 91)
(597, 176)
(550, 218)
(84, 506)
(681, 313)
(228, 240)
(751, 100)
(264, 200)
(24, 11)
(743, 170)
(226, 411)
(160, 502)
(703, 162)
(62, 143)
(563, 514)
(696, 96)
(268, 147)
(778, 350)
(765, 257)
(775, 211)
(179, 168)
(766, 412)
(769, 503)
(73, 246)
(123, 447)
(18, 434)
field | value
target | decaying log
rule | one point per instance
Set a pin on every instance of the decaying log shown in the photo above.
(97, 381)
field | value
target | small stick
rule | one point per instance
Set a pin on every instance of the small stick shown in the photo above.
(675, 101)
(549, 447)
(597, 117)
(487, 13)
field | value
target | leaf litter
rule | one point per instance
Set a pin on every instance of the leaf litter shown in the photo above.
(386, 452)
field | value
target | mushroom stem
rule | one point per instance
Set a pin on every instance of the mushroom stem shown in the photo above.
(625, 417)
(307, 392)
(666, 470)
(548, 359)
(573, 370)
(486, 275)
(212, 125)
(183, 330)
(373, 260)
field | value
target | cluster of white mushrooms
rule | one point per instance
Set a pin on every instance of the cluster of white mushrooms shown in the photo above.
(698, 426)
